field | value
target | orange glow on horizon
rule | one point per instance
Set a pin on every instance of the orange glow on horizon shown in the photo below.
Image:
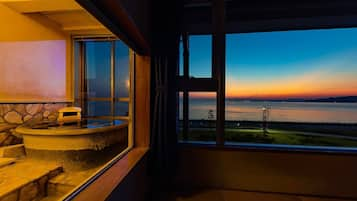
(315, 84)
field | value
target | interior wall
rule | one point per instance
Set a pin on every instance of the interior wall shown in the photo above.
(268, 171)
(35, 59)
(142, 101)
(135, 186)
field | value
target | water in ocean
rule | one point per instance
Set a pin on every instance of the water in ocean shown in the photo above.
(278, 111)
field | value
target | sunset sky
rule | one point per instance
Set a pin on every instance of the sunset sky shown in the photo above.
(293, 64)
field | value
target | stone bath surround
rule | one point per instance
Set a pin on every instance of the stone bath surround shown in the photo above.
(8, 136)
(26, 180)
(21, 113)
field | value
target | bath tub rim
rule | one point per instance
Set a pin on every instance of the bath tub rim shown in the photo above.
(25, 130)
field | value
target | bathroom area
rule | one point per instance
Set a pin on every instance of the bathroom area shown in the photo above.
(66, 93)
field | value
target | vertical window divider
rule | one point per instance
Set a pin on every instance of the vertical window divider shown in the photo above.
(83, 81)
(132, 89)
(112, 77)
(185, 106)
(218, 64)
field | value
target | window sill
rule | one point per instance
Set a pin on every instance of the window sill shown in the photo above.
(232, 146)
(102, 185)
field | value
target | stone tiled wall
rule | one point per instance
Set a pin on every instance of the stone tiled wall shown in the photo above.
(8, 136)
(22, 113)
(32, 190)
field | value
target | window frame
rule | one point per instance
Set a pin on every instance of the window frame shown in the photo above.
(130, 118)
(216, 84)
(83, 99)
(186, 84)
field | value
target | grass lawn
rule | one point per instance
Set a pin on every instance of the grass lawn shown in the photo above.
(273, 136)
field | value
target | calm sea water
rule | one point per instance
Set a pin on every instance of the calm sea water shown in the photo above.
(278, 111)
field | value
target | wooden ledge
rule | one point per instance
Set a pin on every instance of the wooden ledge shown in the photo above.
(102, 187)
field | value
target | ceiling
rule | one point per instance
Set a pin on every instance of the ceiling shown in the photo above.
(67, 14)
(263, 15)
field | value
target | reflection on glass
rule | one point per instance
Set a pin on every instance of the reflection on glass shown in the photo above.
(98, 62)
(76, 50)
(292, 88)
(121, 70)
(99, 108)
(181, 57)
(121, 108)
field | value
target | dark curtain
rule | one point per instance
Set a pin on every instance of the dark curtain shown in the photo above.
(163, 136)
(164, 58)
(163, 142)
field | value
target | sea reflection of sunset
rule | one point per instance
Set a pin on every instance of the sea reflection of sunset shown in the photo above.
(279, 111)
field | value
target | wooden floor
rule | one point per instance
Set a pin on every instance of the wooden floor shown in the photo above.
(224, 195)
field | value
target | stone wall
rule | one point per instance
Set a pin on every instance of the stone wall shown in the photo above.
(22, 113)
(30, 190)
(8, 136)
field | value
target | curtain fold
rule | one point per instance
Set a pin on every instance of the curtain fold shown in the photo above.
(164, 66)
(162, 139)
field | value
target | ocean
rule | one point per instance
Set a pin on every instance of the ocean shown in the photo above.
(278, 111)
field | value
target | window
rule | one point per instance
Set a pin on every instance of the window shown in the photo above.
(294, 88)
(103, 71)
(199, 59)
(201, 117)
(196, 102)
(200, 50)
(102, 78)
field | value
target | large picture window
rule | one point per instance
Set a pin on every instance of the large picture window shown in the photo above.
(294, 88)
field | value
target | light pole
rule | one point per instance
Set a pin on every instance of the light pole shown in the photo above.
(265, 119)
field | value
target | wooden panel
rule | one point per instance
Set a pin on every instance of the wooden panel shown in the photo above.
(101, 188)
(76, 20)
(113, 15)
(142, 101)
(315, 174)
(135, 186)
(34, 6)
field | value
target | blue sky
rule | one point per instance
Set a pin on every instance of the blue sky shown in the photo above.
(295, 64)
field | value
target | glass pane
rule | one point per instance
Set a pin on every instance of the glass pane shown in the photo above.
(77, 77)
(181, 57)
(200, 59)
(121, 109)
(100, 147)
(121, 70)
(292, 88)
(99, 108)
(179, 117)
(98, 62)
(202, 116)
